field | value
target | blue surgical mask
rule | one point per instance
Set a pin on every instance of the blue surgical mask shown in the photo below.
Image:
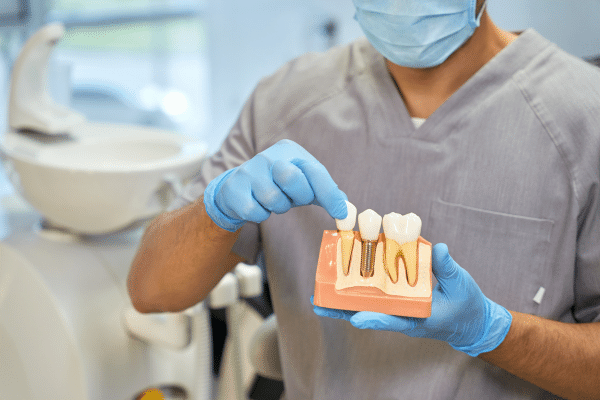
(417, 33)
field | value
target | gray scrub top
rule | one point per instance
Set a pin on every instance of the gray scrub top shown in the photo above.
(505, 172)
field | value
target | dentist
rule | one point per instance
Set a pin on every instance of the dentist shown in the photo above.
(492, 138)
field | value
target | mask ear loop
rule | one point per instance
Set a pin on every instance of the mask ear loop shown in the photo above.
(475, 22)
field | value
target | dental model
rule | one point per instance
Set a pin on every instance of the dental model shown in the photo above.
(386, 272)
(346, 230)
(401, 234)
(369, 224)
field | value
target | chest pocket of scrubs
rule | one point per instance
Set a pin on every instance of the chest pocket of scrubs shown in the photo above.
(507, 255)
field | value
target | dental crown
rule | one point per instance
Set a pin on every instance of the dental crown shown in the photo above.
(402, 228)
(348, 223)
(369, 224)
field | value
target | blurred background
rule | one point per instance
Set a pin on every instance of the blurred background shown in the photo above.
(189, 65)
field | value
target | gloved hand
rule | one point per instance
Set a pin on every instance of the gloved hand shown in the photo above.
(460, 313)
(283, 176)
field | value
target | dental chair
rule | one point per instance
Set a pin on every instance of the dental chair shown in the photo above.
(264, 357)
(250, 364)
(244, 282)
(67, 327)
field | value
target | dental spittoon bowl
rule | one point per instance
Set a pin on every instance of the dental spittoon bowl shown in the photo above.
(105, 179)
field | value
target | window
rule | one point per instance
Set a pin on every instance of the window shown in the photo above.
(136, 62)
(13, 12)
(186, 65)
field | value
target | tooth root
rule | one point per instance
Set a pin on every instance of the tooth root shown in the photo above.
(347, 246)
(392, 252)
(403, 230)
(409, 253)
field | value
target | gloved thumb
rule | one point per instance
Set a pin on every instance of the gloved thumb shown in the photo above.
(450, 276)
(443, 266)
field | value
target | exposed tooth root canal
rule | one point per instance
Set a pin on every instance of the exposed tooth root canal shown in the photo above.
(401, 234)
(381, 278)
(346, 230)
(392, 252)
(400, 247)
(409, 255)
(369, 224)
(347, 239)
(387, 272)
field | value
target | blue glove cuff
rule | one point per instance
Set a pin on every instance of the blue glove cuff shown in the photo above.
(498, 321)
(218, 217)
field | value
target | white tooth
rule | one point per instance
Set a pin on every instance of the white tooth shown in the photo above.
(400, 231)
(402, 228)
(348, 223)
(393, 226)
(369, 224)
(413, 227)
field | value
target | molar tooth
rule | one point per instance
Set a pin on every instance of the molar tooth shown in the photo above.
(369, 224)
(346, 230)
(401, 234)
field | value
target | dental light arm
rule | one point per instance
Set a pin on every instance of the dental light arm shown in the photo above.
(281, 177)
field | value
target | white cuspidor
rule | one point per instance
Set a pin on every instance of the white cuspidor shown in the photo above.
(402, 228)
(87, 177)
(369, 224)
(348, 223)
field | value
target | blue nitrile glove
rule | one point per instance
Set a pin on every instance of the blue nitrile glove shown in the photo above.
(460, 313)
(283, 176)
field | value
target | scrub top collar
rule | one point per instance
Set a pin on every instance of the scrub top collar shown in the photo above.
(480, 86)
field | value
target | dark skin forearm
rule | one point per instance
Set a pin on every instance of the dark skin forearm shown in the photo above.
(561, 358)
(182, 256)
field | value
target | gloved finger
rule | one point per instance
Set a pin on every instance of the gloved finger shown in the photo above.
(270, 196)
(223, 220)
(292, 182)
(235, 199)
(327, 193)
(381, 322)
(331, 312)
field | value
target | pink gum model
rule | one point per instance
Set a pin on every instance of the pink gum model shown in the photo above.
(365, 298)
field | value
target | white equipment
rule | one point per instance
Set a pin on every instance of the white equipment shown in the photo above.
(68, 330)
(63, 322)
(67, 327)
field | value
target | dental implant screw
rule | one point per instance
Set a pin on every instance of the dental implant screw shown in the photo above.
(367, 258)
(369, 224)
